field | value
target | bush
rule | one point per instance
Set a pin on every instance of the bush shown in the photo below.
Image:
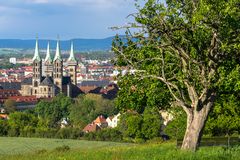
(69, 133)
(41, 151)
(45, 132)
(63, 148)
(177, 127)
(90, 136)
(27, 131)
(4, 128)
(109, 134)
(13, 132)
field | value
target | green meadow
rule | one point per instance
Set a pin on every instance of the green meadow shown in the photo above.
(53, 149)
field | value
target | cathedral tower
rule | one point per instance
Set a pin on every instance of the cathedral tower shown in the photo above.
(58, 68)
(72, 66)
(48, 63)
(37, 69)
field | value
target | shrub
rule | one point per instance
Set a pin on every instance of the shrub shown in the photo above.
(45, 132)
(108, 134)
(69, 133)
(63, 148)
(3, 128)
(27, 131)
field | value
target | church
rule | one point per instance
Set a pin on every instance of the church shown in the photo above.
(48, 79)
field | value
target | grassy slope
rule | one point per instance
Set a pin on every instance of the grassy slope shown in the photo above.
(14, 145)
(118, 151)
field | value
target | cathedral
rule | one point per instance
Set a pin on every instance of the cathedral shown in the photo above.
(48, 79)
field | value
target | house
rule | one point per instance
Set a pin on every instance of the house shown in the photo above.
(2, 110)
(101, 121)
(91, 128)
(113, 120)
(64, 123)
(3, 116)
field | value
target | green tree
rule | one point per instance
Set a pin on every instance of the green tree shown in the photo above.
(87, 107)
(185, 45)
(53, 111)
(10, 105)
(224, 119)
(177, 127)
(18, 121)
(152, 122)
(3, 127)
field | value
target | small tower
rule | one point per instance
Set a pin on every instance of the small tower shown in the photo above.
(72, 66)
(37, 69)
(58, 68)
(48, 63)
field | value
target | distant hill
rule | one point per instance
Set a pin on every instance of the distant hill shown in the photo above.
(79, 44)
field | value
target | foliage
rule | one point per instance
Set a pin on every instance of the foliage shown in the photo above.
(224, 119)
(87, 107)
(63, 148)
(185, 46)
(175, 129)
(69, 133)
(152, 122)
(53, 111)
(141, 126)
(108, 134)
(19, 121)
(136, 95)
(3, 127)
(10, 105)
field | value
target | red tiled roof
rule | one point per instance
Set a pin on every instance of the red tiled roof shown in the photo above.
(91, 128)
(3, 116)
(24, 98)
(100, 119)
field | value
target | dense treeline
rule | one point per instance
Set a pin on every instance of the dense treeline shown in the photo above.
(45, 120)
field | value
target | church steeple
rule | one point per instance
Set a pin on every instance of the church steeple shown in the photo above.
(48, 57)
(58, 68)
(72, 56)
(58, 54)
(72, 66)
(36, 54)
(37, 70)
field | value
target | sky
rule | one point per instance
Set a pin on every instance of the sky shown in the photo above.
(24, 19)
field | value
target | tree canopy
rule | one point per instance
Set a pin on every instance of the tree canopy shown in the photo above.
(187, 46)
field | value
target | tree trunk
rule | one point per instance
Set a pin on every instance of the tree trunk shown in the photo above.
(195, 124)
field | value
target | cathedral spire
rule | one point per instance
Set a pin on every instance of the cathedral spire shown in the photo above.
(72, 56)
(48, 55)
(58, 54)
(36, 54)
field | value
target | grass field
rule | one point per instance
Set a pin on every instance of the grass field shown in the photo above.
(32, 149)
(19, 145)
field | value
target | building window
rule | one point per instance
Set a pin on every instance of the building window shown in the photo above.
(71, 70)
(49, 89)
(45, 89)
(35, 91)
(35, 83)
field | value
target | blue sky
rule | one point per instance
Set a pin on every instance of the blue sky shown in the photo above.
(68, 18)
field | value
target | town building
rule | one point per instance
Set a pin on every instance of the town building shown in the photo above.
(113, 120)
(48, 79)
